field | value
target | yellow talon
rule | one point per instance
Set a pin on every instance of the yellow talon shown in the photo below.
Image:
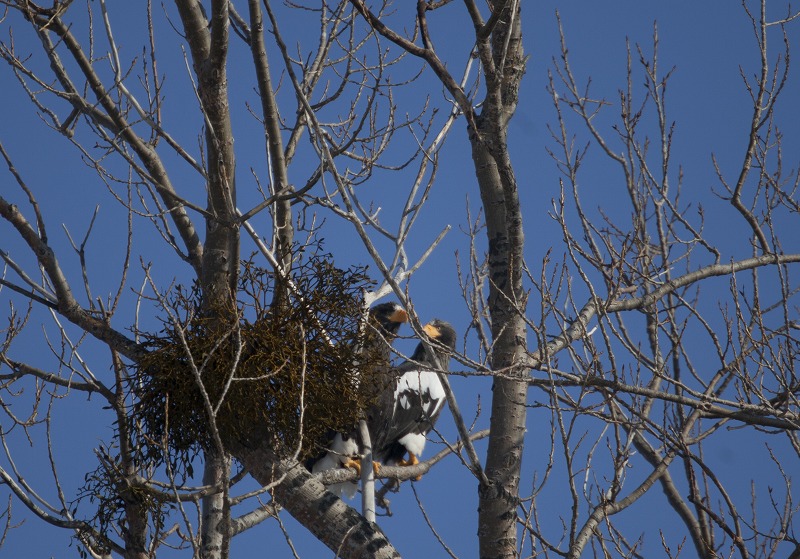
(352, 463)
(412, 461)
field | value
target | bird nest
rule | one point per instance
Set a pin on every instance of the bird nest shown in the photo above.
(288, 377)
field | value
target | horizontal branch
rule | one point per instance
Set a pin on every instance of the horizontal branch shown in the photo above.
(578, 328)
(714, 270)
(22, 370)
(399, 473)
(709, 406)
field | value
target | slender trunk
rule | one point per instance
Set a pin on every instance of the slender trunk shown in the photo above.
(216, 512)
(498, 500)
(219, 274)
(283, 228)
(136, 513)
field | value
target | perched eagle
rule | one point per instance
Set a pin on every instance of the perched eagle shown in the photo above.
(343, 448)
(408, 409)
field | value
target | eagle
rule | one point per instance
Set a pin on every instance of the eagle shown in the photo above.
(408, 408)
(343, 448)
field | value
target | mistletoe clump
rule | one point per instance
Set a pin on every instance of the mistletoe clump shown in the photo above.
(292, 374)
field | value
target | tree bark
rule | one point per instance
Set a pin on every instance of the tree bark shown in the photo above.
(216, 514)
(498, 500)
(500, 49)
(338, 526)
(283, 236)
(218, 279)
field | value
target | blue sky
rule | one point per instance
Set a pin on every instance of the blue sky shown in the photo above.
(706, 42)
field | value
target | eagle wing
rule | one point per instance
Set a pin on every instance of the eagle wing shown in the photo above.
(407, 413)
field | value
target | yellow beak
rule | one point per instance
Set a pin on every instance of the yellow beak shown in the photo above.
(432, 331)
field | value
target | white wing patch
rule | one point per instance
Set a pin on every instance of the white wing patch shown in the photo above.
(423, 385)
(423, 391)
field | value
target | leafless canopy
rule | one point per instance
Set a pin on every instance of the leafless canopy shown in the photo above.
(645, 344)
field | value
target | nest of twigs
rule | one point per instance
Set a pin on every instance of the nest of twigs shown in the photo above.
(291, 375)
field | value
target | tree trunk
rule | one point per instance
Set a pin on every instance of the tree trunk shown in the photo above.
(216, 512)
(209, 48)
(498, 501)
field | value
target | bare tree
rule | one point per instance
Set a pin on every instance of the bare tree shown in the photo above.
(642, 338)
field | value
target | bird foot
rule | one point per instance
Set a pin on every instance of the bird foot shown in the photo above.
(352, 463)
(412, 461)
